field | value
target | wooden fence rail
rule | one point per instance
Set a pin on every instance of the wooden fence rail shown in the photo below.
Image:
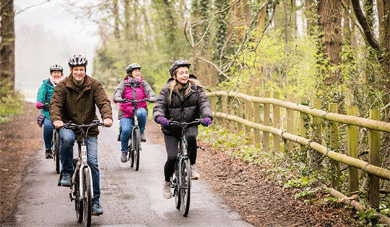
(247, 121)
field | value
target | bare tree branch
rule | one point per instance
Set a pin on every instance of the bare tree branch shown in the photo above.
(32, 6)
(365, 26)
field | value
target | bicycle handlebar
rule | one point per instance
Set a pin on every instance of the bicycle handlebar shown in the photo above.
(46, 106)
(186, 124)
(71, 125)
(133, 100)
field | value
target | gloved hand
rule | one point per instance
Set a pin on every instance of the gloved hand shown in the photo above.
(206, 121)
(162, 121)
(39, 105)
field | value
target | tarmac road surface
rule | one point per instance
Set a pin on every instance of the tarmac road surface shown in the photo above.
(128, 197)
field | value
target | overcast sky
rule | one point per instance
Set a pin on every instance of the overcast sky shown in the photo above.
(47, 35)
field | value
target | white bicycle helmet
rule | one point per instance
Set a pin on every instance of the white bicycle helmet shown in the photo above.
(132, 66)
(77, 60)
(56, 67)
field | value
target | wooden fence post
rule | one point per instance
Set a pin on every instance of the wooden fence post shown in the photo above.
(248, 115)
(240, 115)
(266, 118)
(276, 123)
(374, 159)
(334, 144)
(213, 103)
(256, 119)
(224, 110)
(316, 156)
(353, 151)
(231, 112)
(303, 130)
(290, 122)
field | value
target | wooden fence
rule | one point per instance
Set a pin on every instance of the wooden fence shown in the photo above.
(252, 115)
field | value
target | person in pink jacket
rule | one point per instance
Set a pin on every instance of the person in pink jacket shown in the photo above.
(132, 86)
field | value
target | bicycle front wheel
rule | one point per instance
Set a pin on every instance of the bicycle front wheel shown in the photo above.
(78, 202)
(87, 198)
(57, 151)
(137, 148)
(185, 187)
(176, 189)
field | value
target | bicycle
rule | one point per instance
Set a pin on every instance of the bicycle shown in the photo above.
(55, 145)
(135, 144)
(81, 189)
(181, 179)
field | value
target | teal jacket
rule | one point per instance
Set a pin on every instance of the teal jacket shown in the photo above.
(44, 95)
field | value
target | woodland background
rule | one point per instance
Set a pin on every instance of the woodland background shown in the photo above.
(334, 50)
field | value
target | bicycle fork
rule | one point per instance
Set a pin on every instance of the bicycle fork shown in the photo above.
(80, 166)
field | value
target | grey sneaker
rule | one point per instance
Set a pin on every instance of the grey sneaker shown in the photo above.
(194, 173)
(143, 137)
(124, 156)
(167, 190)
(66, 180)
(97, 210)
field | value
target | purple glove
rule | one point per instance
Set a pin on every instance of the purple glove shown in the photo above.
(206, 121)
(162, 121)
(39, 105)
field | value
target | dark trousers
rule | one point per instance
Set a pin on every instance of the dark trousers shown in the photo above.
(171, 145)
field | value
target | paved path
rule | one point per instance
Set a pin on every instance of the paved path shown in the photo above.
(128, 197)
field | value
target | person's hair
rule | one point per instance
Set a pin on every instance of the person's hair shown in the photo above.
(173, 85)
(130, 74)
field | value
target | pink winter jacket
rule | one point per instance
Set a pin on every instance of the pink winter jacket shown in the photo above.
(141, 90)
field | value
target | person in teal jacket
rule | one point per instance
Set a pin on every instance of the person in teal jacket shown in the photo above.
(43, 99)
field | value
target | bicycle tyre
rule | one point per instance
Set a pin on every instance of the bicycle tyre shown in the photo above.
(176, 191)
(130, 154)
(136, 151)
(185, 187)
(57, 151)
(78, 204)
(87, 200)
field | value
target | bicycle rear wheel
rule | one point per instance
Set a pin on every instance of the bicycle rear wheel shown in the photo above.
(185, 187)
(136, 151)
(57, 151)
(87, 198)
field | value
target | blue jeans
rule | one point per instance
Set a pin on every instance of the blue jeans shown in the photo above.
(127, 126)
(67, 137)
(47, 132)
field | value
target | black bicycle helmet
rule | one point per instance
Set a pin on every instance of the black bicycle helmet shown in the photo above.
(77, 60)
(56, 67)
(132, 66)
(177, 64)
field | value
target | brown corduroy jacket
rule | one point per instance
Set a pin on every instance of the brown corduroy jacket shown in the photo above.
(77, 104)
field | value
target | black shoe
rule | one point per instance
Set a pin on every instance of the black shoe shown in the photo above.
(48, 154)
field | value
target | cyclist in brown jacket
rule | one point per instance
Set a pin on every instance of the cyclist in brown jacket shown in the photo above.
(74, 99)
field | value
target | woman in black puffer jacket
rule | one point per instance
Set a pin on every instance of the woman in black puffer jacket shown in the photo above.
(181, 99)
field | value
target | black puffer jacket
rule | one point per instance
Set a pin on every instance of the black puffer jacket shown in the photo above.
(194, 104)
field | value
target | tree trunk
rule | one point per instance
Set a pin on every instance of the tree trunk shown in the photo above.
(115, 11)
(127, 31)
(331, 40)
(309, 14)
(135, 24)
(383, 7)
(7, 44)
